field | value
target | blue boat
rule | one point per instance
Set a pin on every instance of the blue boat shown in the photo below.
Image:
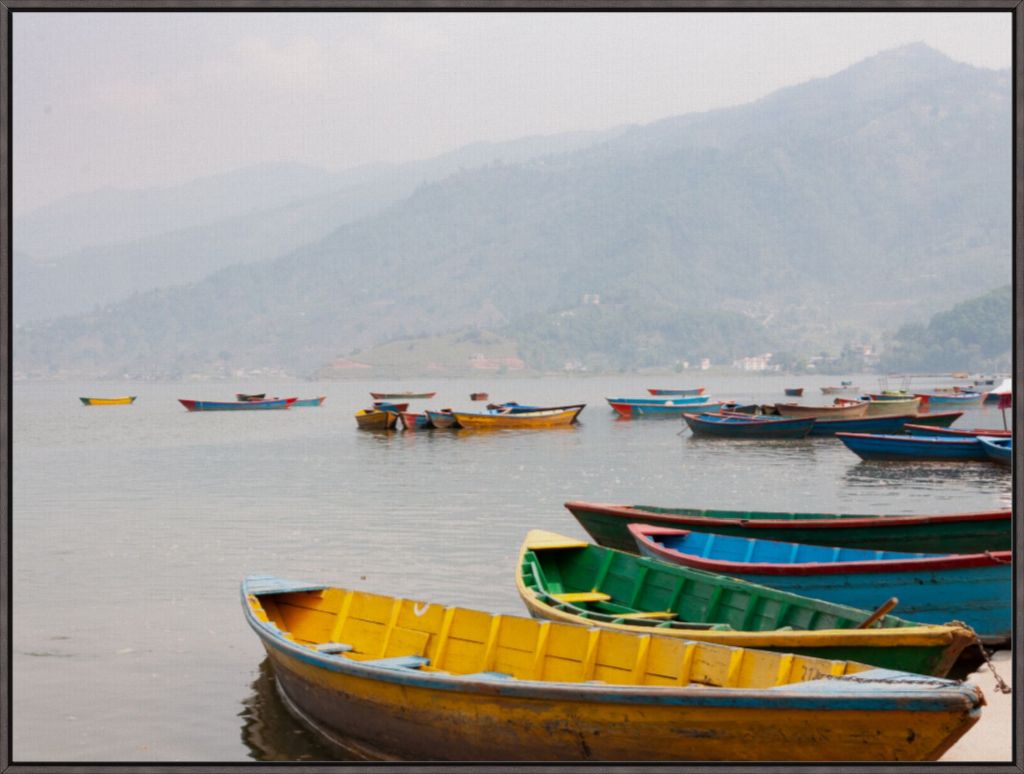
(884, 424)
(673, 401)
(931, 588)
(950, 399)
(730, 426)
(998, 449)
(241, 405)
(869, 446)
(309, 402)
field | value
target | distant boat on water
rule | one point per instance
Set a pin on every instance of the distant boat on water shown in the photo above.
(402, 395)
(794, 392)
(125, 400)
(239, 405)
(684, 391)
(309, 402)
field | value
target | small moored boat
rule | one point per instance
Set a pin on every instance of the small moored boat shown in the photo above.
(553, 417)
(940, 533)
(794, 392)
(746, 426)
(845, 410)
(564, 579)
(400, 679)
(124, 400)
(931, 588)
(376, 419)
(966, 399)
(238, 405)
(662, 408)
(411, 420)
(444, 418)
(913, 428)
(683, 392)
(999, 450)
(884, 424)
(309, 402)
(402, 395)
(478, 396)
(872, 447)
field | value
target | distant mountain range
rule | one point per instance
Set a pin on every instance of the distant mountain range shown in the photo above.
(826, 212)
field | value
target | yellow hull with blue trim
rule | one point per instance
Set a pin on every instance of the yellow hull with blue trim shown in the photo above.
(119, 401)
(404, 680)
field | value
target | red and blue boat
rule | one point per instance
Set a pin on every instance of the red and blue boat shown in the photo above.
(745, 426)
(662, 408)
(962, 399)
(237, 405)
(683, 392)
(931, 588)
(999, 450)
(869, 446)
(913, 428)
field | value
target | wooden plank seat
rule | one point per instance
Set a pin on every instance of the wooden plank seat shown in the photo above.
(582, 596)
(651, 614)
(334, 647)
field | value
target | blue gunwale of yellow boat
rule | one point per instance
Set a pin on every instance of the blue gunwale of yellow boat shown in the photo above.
(409, 680)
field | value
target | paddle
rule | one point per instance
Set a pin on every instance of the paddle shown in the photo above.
(880, 613)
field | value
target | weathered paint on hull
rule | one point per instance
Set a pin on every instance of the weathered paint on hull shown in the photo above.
(851, 411)
(943, 533)
(401, 722)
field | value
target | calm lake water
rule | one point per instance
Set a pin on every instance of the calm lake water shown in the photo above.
(133, 526)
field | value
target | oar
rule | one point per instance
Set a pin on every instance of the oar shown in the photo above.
(880, 613)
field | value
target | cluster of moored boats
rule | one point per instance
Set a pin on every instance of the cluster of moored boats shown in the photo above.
(242, 402)
(877, 426)
(386, 414)
(680, 634)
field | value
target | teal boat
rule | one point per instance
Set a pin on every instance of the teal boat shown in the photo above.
(940, 533)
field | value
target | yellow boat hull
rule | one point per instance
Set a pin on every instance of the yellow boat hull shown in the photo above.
(120, 401)
(469, 685)
(539, 419)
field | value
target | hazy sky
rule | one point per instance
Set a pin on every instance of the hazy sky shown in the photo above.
(134, 100)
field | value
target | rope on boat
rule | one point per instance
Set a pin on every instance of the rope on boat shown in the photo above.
(1001, 685)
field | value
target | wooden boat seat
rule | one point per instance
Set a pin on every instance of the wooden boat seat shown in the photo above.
(334, 647)
(400, 662)
(582, 596)
(652, 614)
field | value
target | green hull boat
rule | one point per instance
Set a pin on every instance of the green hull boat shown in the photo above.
(564, 579)
(947, 533)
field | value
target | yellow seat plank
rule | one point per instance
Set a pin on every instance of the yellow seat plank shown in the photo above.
(654, 614)
(582, 596)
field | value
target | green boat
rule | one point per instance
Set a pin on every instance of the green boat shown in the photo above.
(564, 579)
(947, 533)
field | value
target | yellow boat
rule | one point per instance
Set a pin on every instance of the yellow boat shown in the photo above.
(396, 679)
(564, 579)
(553, 417)
(121, 401)
(375, 419)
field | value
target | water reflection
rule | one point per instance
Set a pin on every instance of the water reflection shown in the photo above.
(271, 733)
